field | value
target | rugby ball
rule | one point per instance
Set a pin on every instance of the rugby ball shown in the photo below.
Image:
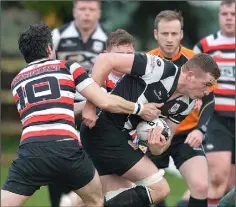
(144, 126)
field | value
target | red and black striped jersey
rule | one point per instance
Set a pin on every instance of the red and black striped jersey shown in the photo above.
(222, 49)
(44, 94)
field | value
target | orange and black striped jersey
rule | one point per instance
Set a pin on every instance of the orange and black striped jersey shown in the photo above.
(191, 121)
(222, 49)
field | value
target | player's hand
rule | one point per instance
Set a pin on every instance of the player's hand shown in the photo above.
(151, 111)
(89, 116)
(156, 141)
(194, 138)
(198, 104)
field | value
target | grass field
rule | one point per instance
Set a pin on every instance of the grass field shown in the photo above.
(41, 198)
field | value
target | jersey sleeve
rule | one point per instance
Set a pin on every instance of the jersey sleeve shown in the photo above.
(177, 118)
(198, 48)
(150, 68)
(81, 78)
(55, 38)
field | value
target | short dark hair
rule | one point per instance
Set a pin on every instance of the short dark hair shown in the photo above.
(119, 37)
(34, 41)
(169, 15)
(75, 2)
(227, 2)
(204, 62)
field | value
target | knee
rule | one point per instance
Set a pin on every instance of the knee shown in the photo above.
(218, 179)
(160, 190)
(199, 188)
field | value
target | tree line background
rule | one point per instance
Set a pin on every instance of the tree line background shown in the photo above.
(137, 17)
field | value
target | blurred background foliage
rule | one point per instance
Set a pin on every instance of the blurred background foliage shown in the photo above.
(136, 17)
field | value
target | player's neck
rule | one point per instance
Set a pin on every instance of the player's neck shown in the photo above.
(169, 55)
(223, 34)
(86, 33)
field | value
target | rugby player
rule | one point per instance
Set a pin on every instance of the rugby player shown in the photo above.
(185, 149)
(220, 134)
(49, 152)
(149, 78)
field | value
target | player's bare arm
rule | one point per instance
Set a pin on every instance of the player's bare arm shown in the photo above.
(78, 107)
(106, 62)
(116, 104)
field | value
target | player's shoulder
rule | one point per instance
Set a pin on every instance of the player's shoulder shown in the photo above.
(100, 33)
(153, 51)
(187, 52)
(208, 39)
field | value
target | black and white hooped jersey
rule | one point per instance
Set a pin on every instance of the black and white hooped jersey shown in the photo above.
(44, 94)
(152, 79)
(69, 45)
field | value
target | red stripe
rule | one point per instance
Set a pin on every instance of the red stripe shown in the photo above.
(221, 107)
(16, 97)
(207, 47)
(79, 71)
(65, 100)
(49, 132)
(50, 117)
(110, 84)
(41, 84)
(67, 83)
(224, 60)
(227, 92)
(63, 63)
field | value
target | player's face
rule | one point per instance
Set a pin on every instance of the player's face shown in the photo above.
(129, 49)
(199, 85)
(227, 19)
(86, 14)
(168, 35)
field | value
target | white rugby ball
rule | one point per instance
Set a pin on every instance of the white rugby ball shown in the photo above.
(144, 126)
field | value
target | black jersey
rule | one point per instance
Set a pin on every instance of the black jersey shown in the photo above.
(152, 79)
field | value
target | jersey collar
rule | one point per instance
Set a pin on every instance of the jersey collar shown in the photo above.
(177, 56)
(39, 61)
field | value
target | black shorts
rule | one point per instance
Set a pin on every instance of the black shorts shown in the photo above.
(178, 150)
(110, 148)
(220, 135)
(38, 164)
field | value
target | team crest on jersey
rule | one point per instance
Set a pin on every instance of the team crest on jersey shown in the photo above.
(97, 46)
(174, 108)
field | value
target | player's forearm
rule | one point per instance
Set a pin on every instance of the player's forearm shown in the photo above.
(78, 107)
(116, 104)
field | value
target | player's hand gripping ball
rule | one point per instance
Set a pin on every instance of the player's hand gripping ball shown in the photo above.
(144, 126)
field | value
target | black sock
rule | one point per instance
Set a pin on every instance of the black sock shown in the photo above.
(193, 202)
(161, 204)
(133, 197)
(183, 203)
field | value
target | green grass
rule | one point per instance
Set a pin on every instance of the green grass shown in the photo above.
(41, 198)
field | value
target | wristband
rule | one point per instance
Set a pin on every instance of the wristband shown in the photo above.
(138, 108)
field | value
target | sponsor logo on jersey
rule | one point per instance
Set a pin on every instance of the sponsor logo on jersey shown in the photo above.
(174, 108)
(97, 46)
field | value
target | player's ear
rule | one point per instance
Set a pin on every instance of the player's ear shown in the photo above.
(181, 34)
(155, 33)
(50, 51)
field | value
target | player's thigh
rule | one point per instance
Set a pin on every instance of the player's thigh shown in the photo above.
(195, 173)
(114, 182)
(92, 191)
(12, 199)
(219, 164)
